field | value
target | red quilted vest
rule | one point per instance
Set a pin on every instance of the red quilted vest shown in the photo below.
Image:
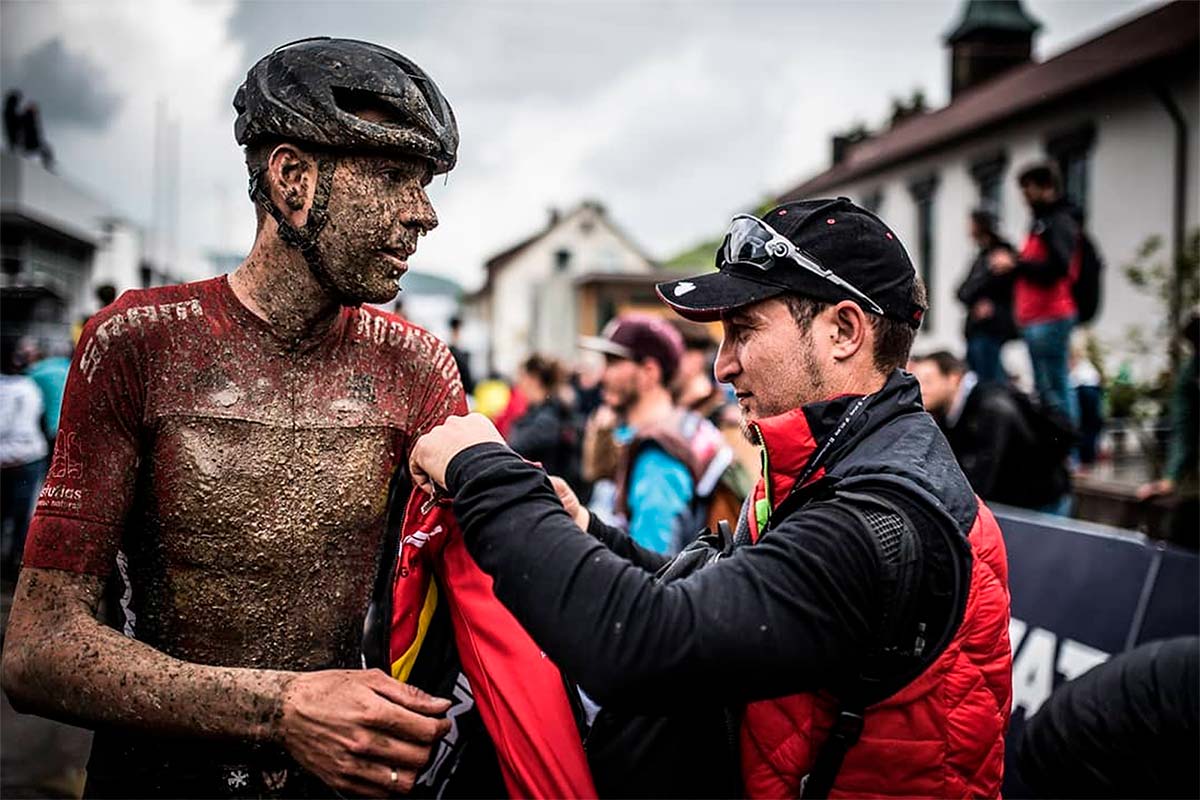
(940, 736)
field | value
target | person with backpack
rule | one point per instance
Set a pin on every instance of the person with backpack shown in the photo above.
(850, 637)
(669, 460)
(1007, 446)
(1057, 284)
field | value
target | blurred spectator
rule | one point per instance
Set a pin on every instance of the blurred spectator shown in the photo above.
(461, 358)
(547, 432)
(22, 453)
(663, 451)
(1089, 393)
(106, 293)
(491, 397)
(12, 120)
(23, 129)
(33, 139)
(1127, 728)
(50, 375)
(695, 389)
(1009, 451)
(512, 411)
(1043, 303)
(585, 380)
(988, 298)
(1181, 479)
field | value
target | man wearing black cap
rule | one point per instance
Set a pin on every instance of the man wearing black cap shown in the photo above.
(859, 624)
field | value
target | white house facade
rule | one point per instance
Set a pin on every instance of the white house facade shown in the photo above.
(530, 300)
(1118, 113)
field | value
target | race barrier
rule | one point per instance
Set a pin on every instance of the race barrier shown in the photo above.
(1080, 593)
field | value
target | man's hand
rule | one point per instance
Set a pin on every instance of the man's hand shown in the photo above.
(1001, 262)
(1159, 488)
(571, 503)
(983, 309)
(434, 451)
(356, 729)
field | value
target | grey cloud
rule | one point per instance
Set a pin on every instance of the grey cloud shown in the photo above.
(67, 87)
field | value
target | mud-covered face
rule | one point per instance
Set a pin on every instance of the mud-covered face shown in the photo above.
(377, 210)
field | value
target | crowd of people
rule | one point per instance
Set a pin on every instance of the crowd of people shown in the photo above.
(644, 437)
(264, 483)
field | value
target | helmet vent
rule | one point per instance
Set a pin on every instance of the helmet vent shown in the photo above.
(367, 106)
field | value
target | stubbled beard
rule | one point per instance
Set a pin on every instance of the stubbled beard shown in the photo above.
(749, 432)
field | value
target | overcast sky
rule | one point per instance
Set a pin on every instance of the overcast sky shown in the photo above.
(673, 114)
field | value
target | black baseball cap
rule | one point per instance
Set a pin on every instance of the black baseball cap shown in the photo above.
(859, 253)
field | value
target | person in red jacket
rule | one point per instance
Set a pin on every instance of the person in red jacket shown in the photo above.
(857, 625)
(223, 471)
(1045, 270)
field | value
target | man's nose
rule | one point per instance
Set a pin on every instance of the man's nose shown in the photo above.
(423, 216)
(726, 366)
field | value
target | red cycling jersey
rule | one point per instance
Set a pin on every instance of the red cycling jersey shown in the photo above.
(239, 483)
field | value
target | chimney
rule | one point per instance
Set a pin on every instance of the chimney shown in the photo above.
(992, 37)
(841, 143)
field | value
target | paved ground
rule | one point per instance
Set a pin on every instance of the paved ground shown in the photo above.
(38, 758)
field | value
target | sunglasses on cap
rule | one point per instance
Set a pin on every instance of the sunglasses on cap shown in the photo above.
(754, 243)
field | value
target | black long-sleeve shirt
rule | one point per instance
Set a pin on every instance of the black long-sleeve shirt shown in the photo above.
(795, 612)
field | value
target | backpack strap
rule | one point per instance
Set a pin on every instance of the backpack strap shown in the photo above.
(899, 550)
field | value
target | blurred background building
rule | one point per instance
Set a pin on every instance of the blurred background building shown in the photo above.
(564, 281)
(59, 243)
(1118, 113)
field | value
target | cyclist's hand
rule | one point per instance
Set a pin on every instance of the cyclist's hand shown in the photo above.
(360, 731)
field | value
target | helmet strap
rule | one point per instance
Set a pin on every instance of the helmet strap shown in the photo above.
(303, 239)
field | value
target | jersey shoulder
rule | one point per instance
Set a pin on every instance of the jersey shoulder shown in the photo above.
(142, 315)
(408, 346)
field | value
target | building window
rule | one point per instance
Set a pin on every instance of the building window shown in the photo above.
(923, 192)
(1072, 151)
(988, 174)
(562, 259)
(873, 201)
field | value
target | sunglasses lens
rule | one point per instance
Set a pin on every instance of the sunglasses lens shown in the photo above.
(746, 243)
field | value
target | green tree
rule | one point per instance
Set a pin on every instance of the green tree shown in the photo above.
(1175, 289)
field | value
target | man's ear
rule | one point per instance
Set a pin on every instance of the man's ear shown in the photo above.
(650, 372)
(848, 328)
(292, 174)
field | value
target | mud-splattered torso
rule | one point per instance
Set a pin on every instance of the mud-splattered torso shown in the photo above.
(245, 479)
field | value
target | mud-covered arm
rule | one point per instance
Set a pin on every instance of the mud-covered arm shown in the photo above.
(61, 662)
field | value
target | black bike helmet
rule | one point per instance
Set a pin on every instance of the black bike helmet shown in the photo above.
(314, 91)
(310, 90)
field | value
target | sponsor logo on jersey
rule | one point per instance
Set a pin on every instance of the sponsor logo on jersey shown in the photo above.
(121, 322)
